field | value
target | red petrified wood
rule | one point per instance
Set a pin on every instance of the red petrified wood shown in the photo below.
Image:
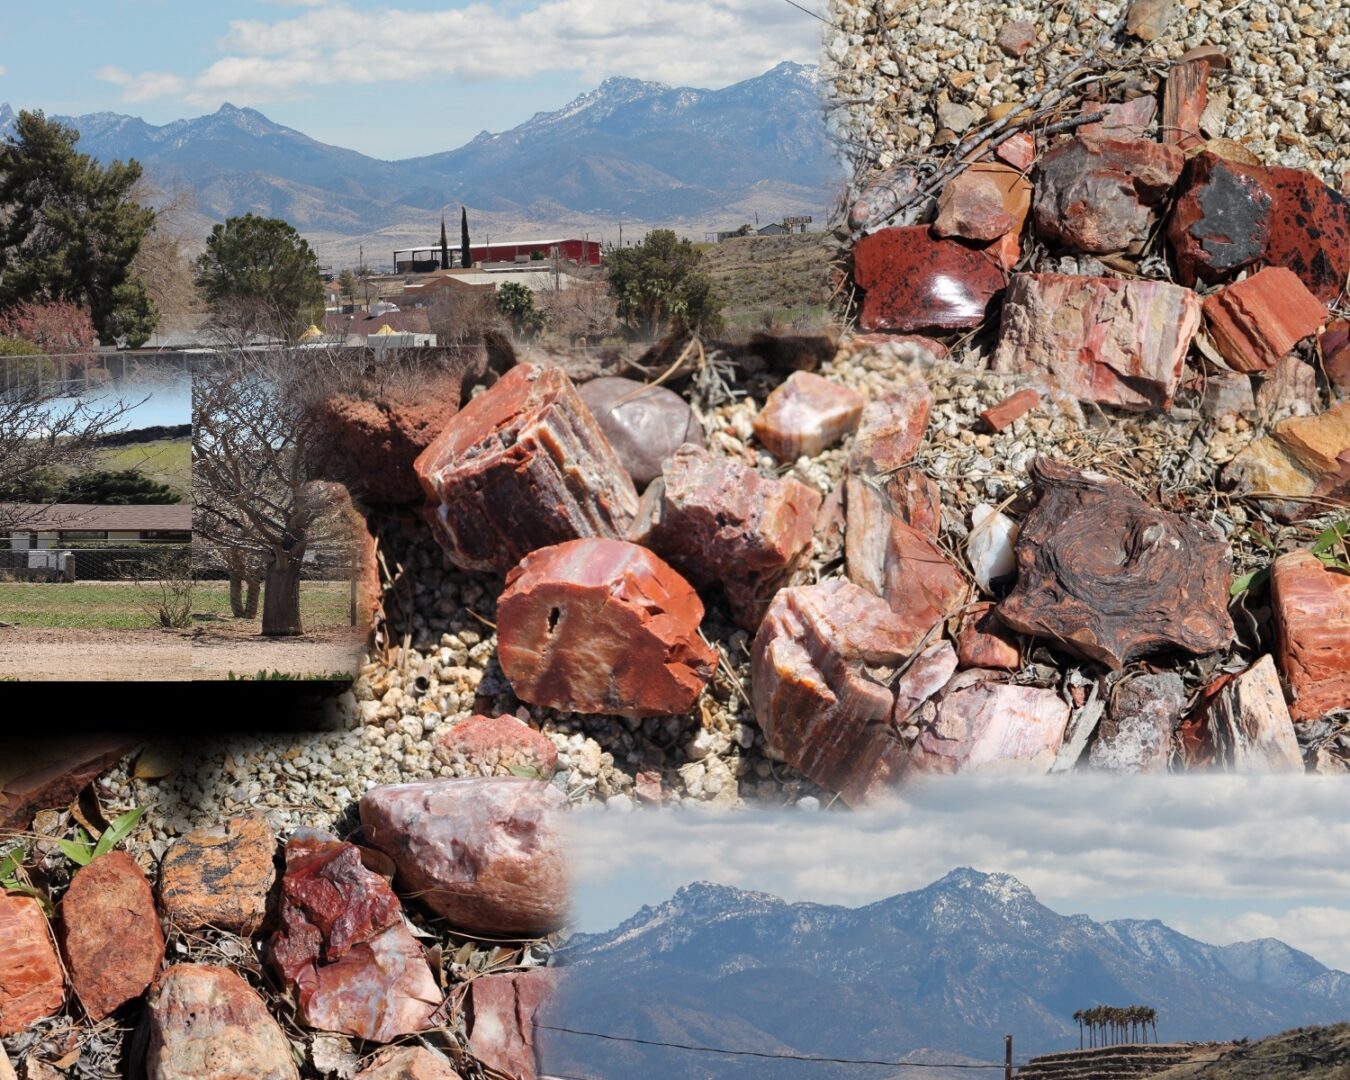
(721, 523)
(1104, 575)
(821, 703)
(807, 414)
(220, 876)
(31, 983)
(110, 933)
(1242, 725)
(484, 853)
(206, 1023)
(983, 202)
(1098, 194)
(502, 1017)
(62, 774)
(343, 946)
(891, 430)
(520, 467)
(992, 727)
(1312, 620)
(498, 744)
(1100, 339)
(984, 642)
(1184, 99)
(602, 626)
(1010, 409)
(1258, 320)
(916, 281)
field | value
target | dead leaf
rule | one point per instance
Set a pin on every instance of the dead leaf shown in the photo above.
(333, 1055)
(37, 1069)
(155, 763)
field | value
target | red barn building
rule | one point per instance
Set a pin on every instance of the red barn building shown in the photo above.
(582, 252)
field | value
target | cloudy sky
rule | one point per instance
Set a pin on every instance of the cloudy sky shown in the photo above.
(391, 79)
(1221, 858)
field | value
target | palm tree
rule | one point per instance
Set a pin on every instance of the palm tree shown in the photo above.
(1079, 1017)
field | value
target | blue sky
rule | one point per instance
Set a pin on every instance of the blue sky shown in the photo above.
(391, 79)
(1222, 858)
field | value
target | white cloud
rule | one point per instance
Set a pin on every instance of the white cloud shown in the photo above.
(3, 70)
(696, 42)
(1171, 847)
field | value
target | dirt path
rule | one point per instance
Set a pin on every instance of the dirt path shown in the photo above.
(94, 655)
(217, 651)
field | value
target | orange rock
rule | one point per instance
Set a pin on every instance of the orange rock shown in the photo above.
(220, 876)
(807, 414)
(1018, 150)
(110, 933)
(1258, 320)
(497, 745)
(891, 430)
(984, 202)
(1011, 408)
(1312, 620)
(984, 642)
(602, 626)
(407, 1063)
(31, 983)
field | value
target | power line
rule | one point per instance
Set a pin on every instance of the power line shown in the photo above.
(766, 1054)
(817, 15)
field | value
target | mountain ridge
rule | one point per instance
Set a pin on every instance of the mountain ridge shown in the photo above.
(949, 967)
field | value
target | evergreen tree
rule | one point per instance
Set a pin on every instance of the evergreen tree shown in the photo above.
(465, 252)
(659, 284)
(69, 230)
(445, 247)
(260, 274)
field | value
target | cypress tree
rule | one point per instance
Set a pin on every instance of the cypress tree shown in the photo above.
(445, 247)
(465, 255)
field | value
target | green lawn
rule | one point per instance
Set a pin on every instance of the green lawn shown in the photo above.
(322, 603)
(80, 605)
(166, 461)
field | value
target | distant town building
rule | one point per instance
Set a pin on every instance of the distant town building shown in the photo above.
(795, 224)
(422, 260)
(49, 526)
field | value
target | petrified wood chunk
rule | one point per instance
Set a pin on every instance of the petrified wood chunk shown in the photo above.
(61, 771)
(484, 853)
(898, 562)
(1184, 99)
(821, 702)
(1259, 319)
(206, 1023)
(718, 521)
(983, 202)
(220, 875)
(916, 281)
(1136, 736)
(1010, 409)
(1100, 339)
(1104, 575)
(1243, 725)
(343, 947)
(984, 642)
(1300, 467)
(522, 466)
(602, 626)
(31, 983)
(992, 727)
(110, 933)
(1312, 623)
(408, 1063)
(497, 745)
(807, 414)
(891, 430)
(644, 424)
(502, 1019)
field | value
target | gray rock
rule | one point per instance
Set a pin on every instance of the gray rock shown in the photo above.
(644, 424)
(1136, 735)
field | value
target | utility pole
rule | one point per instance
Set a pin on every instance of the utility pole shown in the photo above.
(1007, 1057)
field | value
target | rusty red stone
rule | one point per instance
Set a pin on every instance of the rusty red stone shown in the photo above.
(343, 947)
(206, 1023)
(1015, 37)
(32, 985)
(603, 626)
(1333, 344)
(110, 934)
(1018, 150)
(1098, 195)
(1231, 214)
(1185, 96)
(61, 776)
(220, 876)
(722, 524)
(913, 280)
(1256, 321)
(503, 1010)
(485, 854)
(498, 744)
(1011, 409)
(1104, 575)
(984, 642)
(819, 691)
(891, 430)
(522, 466)
(1121, 119)
(1312, 624)
(1109, 340)
(807, 414)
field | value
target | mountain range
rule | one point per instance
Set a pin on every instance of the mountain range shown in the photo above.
(939, 974)
(629, 150)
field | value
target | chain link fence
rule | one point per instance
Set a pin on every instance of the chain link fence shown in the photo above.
(114, 560)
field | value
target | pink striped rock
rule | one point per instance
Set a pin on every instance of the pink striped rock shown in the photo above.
(522, 466)
(891, 430)
(1100, 339)
(1312, 622)
(992, 727)
(502, 1010)
(807, 414)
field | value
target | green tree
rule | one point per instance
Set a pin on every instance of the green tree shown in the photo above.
(70, 228)
(659, 284)
(260, 275)
(347, 282)
(516, 303)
